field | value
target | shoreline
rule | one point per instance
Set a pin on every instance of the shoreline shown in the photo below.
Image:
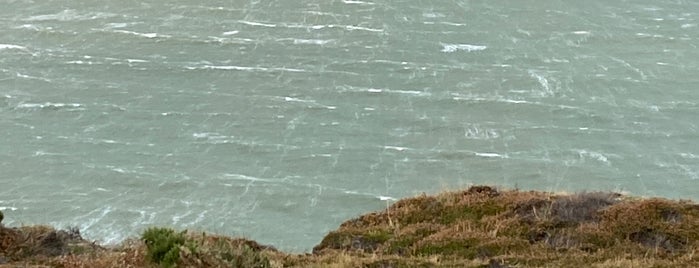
(476, 227)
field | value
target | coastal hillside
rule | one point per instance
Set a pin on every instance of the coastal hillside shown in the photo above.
(477, 227)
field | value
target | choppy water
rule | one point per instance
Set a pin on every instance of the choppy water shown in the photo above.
(277, 120)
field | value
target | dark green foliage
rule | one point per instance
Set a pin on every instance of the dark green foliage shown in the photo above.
(163, 245)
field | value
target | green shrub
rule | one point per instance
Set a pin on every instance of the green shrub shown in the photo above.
(163, 245)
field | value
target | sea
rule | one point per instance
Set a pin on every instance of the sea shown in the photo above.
(278, 120)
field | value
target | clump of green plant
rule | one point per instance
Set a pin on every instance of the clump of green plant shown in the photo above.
(163, 245)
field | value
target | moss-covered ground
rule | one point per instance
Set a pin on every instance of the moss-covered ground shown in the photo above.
(477, 227)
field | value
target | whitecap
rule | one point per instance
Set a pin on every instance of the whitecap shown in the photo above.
(253, 23)
(70, 15)
(9, 46)
(246, 178)
(244, 68)
(290, 99)
(492, 155)
(146, 35)
(386, 198)
(49, 105)
(452, 23)
(352, 28)
(594, 155)
(396, 148)
(230, 33)
(355, 2)
(449, 48)
(311, 41)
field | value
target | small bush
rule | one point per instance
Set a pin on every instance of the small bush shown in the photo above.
(163, 245)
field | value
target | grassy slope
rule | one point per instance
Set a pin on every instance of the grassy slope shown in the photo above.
(478, 227)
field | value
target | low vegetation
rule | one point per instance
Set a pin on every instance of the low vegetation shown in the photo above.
(477, 227)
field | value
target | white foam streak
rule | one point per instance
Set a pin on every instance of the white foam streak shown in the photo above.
(247, 178)
(49, 105)
(357, 2)
(311, 42)
(352, 28)
(388, 91)
(70, 15)
(449, 48)
(244, 68)
(9, 46)
(254, 23)
(594, 155)
(146, 35)
(492, 155)
(396, 148)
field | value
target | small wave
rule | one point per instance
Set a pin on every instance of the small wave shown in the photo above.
(230, 33)
(452, 23)
(689, 156)
(396, 148)
(71, 15)
(244, 68)
(254, 23)
(354, 2)
(461, 97)
(136, 61)
(492, 155)
(290, 99)
(80, 62)
(385, 90)
(408, 92)
(247, 178)
(379, 197)
(331, 26)
(595, 156)
(449, 48)
(9, 46)
(353, 28)
(49, 105)
(210, 136)
(24, 76)
(311, 42)
(9, 208)
(146, 35)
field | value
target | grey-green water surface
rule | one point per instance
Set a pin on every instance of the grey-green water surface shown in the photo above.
(277, 120)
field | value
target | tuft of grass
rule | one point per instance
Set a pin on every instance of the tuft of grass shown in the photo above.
(163, 245)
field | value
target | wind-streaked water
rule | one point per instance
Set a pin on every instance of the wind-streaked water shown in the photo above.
(277, 120)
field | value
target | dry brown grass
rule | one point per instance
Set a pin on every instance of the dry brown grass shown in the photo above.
(477, 227)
